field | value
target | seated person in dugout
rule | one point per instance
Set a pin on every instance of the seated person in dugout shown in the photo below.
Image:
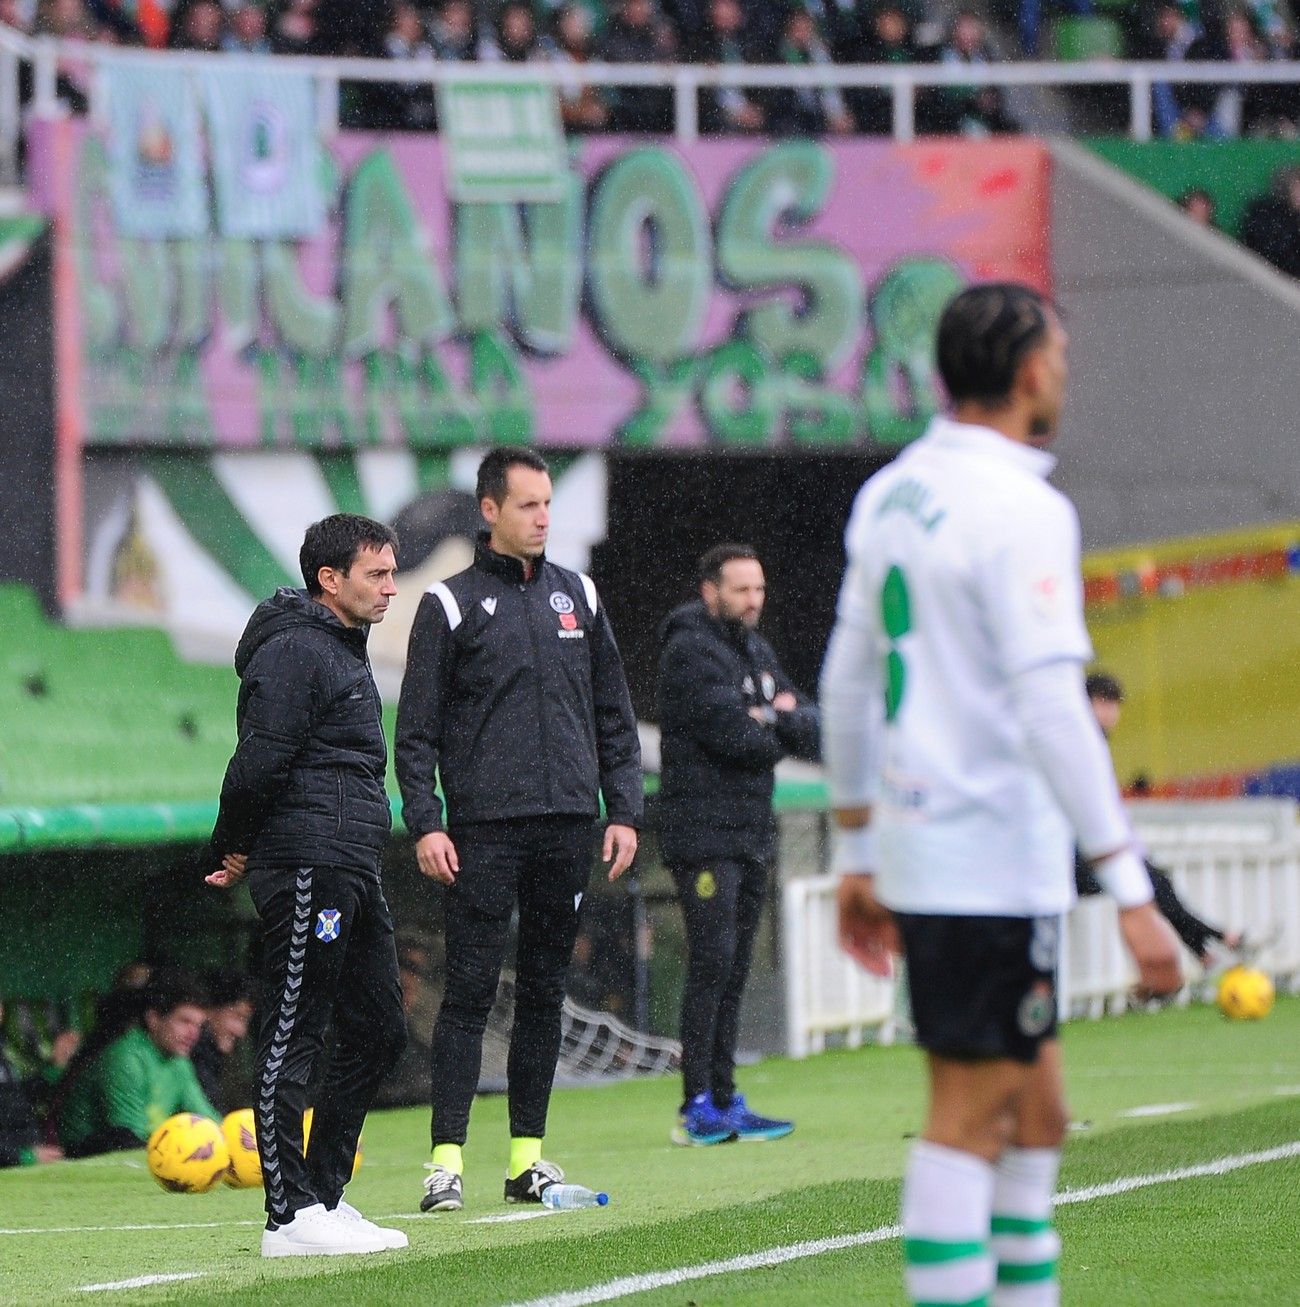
(140, 1079)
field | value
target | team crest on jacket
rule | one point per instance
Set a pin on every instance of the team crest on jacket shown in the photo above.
(705, 885)
(561, 602)
(327, 924)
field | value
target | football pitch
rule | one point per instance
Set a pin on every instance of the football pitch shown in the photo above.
(1178, 1186)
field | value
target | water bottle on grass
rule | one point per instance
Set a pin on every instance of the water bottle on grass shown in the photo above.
(567, 1197)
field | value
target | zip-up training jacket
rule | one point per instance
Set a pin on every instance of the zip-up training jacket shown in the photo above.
(306, 784)
(514, 695)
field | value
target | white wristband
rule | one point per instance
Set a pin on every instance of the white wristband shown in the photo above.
(1124, 877)
(855, 851)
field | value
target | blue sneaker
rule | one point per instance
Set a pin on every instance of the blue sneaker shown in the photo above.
(749, 1125)
(701, 1123)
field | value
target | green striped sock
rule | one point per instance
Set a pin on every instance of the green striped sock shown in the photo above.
(1025, 1241)
(947, 1195)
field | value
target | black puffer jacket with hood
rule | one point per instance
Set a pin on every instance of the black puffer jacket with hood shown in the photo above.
(717, 759)
(306, 784)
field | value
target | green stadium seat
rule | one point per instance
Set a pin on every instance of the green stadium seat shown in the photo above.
(1077, 39)
(106, 716)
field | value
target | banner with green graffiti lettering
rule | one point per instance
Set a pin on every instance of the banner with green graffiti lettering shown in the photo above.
(729, 294)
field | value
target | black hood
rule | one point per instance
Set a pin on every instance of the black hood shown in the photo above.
(286, 609)
(693, 616)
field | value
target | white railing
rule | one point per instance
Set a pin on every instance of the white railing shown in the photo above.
(902, 81)
(1251, 886)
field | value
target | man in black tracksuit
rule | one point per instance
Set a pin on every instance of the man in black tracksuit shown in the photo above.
(304, 814)
(514, 695)
(727, 715)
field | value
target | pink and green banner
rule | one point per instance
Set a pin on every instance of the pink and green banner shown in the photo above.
(728, 294)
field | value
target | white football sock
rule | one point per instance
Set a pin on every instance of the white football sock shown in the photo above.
(1025, 1242)
(947, 1205)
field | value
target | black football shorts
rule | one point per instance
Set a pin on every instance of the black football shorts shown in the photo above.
(982, 987)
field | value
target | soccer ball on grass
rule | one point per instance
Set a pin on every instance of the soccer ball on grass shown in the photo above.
(1245, 994)
(240, 1134)
(187, 1154)
(245, 1171)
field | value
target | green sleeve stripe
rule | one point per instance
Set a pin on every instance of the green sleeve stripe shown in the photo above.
(1028, 1273)
(432, 470)
(982, 1301)
(210, 516)
(930, 1252)
(1020, 1225)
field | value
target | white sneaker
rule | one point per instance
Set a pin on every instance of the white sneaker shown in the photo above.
(349, 1214)
(314, 1232)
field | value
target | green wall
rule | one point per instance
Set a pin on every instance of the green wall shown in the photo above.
(1234, 172)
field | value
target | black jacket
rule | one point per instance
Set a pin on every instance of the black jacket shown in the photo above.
(716, 773)
(514, 694)
(306, 784)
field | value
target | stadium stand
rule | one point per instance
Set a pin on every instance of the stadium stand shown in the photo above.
(105, 716)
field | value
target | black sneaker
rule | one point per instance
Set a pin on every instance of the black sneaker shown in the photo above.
(527, 1188)
(442, 1190)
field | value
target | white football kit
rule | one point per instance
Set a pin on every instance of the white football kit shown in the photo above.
(953, 697)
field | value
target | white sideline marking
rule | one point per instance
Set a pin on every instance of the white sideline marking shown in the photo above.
(1159, 1109)
(222, 1225)
(120, 1229)
(141, 1282)
(508, 1216)
(644, 1283)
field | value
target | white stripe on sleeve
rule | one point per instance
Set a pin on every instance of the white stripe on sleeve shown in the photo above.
(448, 602)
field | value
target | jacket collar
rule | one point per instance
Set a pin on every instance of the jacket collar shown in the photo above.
(509, 569)
(984, 442)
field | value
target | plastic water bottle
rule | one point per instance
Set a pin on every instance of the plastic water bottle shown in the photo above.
(566, 1197)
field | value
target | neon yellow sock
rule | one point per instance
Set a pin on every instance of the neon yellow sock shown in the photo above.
(449, 1155)
(523, 1153)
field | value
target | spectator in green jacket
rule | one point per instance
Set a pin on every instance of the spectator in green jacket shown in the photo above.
(142, 1077)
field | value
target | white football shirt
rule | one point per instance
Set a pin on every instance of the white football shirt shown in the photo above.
(963, 572)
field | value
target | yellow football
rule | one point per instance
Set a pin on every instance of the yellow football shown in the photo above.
(245, 1170)
(1245, 994)
(187, 1154)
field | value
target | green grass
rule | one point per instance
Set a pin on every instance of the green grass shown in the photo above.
(1222, 1239)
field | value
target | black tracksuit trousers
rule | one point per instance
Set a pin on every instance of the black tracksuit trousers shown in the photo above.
(328, 958)
(722, 901)
(543, 865)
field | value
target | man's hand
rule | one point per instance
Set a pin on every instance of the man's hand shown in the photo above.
(785, 702)
(48, 1153)
(1154, 946)
(867, 930)
(234, 867)
(620, 845)
(64, 1048)
(436, 856)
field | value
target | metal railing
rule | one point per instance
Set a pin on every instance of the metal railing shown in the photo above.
(684, 80)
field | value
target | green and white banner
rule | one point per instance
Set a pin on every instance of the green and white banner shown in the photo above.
(154, 147)
(505, 142)
(265, 156)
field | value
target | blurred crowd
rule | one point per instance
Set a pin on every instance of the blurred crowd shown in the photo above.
(783, 32)
(571, 33)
